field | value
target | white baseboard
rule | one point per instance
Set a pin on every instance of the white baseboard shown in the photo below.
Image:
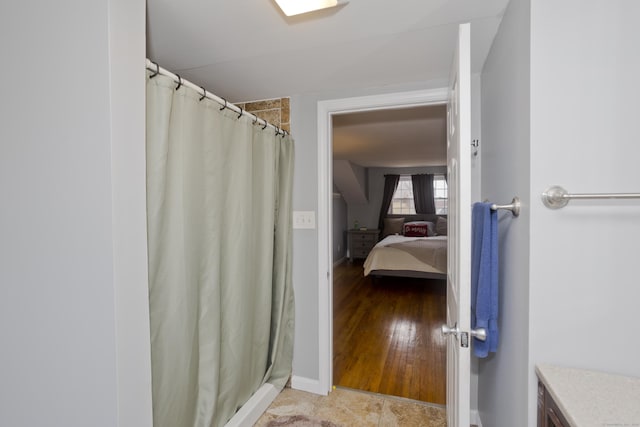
(475, 418)
(340, 261)
(251, 411)
(307, 384)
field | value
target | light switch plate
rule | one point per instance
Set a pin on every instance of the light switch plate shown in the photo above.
(304, 219)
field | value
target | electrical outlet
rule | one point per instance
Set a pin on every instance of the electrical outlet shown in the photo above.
(304, 219)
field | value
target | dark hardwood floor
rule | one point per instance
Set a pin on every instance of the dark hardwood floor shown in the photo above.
(386, 334)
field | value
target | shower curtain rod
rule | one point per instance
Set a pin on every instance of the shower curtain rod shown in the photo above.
(153, 66)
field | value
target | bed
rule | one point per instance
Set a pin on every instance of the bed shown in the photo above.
(409, 255)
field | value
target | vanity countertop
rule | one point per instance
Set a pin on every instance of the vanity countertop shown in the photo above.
(593, 399)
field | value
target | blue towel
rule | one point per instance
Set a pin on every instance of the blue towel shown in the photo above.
(484, 277)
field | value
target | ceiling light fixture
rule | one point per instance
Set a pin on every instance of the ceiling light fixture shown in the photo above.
(296, 7)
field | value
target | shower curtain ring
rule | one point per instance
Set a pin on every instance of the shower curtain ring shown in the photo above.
(204, 94)
(265, 125)
(277, 130)
(255, 121)
(179, 82)
(225, 105)
(240, 115)
(156, 72)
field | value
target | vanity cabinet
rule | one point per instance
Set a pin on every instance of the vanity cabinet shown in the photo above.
(549, 415)
(570, 397)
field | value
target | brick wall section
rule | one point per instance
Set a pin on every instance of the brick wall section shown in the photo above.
(275, 111)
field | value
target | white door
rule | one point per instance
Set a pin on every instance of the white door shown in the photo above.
(459, 241)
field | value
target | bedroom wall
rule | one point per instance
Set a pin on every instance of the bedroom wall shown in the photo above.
(340, 227)
(362, 176)
(73, 246)
(350, 180)
(367, 214)
(503, 380)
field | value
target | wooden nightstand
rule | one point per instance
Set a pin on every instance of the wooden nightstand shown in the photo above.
(361, 242)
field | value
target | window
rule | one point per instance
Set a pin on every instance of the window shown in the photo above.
(402, 202)
(440, 194)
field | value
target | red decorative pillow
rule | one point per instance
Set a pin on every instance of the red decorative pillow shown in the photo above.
(416, 230)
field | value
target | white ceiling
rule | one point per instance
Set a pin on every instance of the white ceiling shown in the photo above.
(245, 50)
(248, 50)
(392, 138)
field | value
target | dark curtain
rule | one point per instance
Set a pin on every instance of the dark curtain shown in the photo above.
(423, 193)
(390, 185)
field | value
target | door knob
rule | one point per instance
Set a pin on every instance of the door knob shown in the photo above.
(480, 334)
(447, 330)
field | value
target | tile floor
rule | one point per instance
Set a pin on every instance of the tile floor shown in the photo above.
(348, 408)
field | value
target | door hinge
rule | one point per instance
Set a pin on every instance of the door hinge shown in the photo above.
(464, 340)
(475, 144)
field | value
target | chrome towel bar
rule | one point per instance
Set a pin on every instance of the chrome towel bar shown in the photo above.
(556, 197)
(514, 206)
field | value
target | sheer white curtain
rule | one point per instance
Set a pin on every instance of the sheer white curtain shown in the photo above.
(219, 233)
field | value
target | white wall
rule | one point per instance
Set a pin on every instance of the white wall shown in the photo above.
(476, 134)
(62, 285)
(127, 45)
(305, 262)
(559, 107)
(503, 377)
(476, 181)
(305, 197)
(584, 136)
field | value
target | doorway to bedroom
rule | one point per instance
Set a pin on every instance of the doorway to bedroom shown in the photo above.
(386, 327)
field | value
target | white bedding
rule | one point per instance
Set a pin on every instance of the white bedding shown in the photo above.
(396, 252)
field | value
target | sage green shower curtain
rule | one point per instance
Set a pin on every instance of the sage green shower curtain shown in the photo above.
(219, 236)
